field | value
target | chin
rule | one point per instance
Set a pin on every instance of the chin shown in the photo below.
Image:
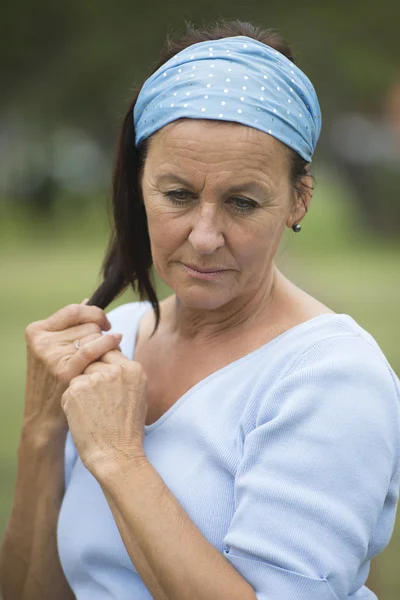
(203, 298)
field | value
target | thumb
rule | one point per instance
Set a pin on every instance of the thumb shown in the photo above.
(115, 357)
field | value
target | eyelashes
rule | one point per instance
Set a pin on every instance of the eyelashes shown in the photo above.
(184, 198)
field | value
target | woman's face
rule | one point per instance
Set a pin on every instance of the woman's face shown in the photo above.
(217, 197)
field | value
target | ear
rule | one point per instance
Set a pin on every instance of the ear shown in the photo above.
(301, 201)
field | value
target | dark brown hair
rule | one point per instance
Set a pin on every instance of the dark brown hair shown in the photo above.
(128, 260)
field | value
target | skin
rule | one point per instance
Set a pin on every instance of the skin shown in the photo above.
(106, 406)
(105, 396)
(209, 230)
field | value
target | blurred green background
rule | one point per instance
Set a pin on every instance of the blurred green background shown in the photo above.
(67, 75)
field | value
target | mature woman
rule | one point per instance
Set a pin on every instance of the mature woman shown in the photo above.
(244, 443)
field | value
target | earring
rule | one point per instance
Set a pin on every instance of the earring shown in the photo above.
(296, 228)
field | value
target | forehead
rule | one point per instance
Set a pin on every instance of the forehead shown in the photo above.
(211, 143)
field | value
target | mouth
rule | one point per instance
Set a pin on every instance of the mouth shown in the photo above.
(206, 274)
(201, 270)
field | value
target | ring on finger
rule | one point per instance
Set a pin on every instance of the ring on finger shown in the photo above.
(77, 344)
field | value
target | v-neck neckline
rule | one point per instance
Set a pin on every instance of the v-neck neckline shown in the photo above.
(304, 325)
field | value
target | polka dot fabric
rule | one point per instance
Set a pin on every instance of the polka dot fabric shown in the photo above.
(233, 79)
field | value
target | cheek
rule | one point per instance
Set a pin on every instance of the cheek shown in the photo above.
(167, 230)
(254, 242)
(251, 252)
(255, 250)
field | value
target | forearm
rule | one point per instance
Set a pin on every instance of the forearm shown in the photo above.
(29, 565)
(173, 558)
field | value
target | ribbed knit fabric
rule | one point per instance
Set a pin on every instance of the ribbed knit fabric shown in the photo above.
(287, 460)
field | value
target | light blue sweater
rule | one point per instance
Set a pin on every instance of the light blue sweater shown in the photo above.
(287, 460)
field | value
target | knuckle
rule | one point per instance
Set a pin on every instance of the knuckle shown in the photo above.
(137, 368)
(143, 379)
(73, 310)
(75, 384)
(100, 314)
(65, 398)
(31, 329)
(93, 328)
(41, 342)
(97, 310)
(85, 353)
(116, 370)
(137, 372)
(96, 376)
(74, 380)
(37, 346)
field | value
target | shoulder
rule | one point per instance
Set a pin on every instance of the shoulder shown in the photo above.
(349, 366)
(337, 345)
(332, 367)
(335, 339)
(322, 451)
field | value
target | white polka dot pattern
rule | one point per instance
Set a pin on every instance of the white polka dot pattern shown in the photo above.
(241, 68)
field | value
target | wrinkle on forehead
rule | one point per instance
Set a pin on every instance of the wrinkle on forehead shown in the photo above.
(211, 147)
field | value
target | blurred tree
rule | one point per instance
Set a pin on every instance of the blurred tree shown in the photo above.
(75, 63)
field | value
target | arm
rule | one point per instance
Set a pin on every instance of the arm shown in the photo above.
(171, 555)
(318, 482)
(316, 470)
(29, 565)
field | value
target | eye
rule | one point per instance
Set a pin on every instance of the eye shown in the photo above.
(238, 205)
(243, 205)
(179, 197)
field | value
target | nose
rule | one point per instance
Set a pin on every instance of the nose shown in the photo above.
(206, 235)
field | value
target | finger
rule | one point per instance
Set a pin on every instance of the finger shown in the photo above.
(91, 351)
(77, 379)
(95, 367)
(76, 314)
(78, 332)
(113, 357)
(94, 336)
(85, 340)
(89, 338)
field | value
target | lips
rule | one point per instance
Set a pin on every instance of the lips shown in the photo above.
(201, 270)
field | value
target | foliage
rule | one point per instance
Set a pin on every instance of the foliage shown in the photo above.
(75, 62)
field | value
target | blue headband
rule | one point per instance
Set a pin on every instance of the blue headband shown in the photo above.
(233, 79)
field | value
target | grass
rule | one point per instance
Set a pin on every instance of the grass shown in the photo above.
(43, 268)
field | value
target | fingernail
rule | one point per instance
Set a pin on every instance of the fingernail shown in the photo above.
(118, 336)
(84, 301)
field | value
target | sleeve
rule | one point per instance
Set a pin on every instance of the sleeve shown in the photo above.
(314, 473)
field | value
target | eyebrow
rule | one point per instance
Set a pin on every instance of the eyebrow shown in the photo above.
(251, 186)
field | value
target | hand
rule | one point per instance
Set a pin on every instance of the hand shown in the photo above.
(106, 410)
(53, 360)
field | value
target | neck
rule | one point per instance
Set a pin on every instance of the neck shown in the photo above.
(242, 313)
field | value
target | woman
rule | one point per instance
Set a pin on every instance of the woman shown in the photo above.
(244, 443)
